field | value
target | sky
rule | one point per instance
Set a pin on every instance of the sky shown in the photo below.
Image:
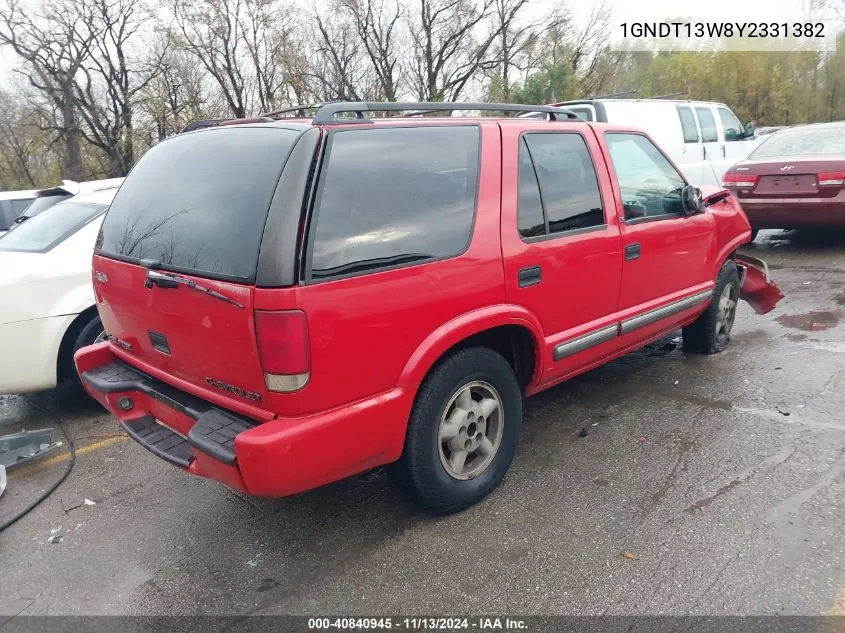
(635, 11)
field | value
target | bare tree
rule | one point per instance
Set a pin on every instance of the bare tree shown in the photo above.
(378, 24)
(54, 42)
(337, 59)
(111, 79)
(212, 31)
(446, 53)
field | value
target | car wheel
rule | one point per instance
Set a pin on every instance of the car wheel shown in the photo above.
(92, 332)
(463, 431)
(711, 332)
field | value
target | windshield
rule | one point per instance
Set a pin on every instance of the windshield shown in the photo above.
(198, 202)
(807, 140)
(49, 229)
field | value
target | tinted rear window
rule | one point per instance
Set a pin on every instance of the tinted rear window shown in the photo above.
(395, 196)
(49, 229)
(198, 202)
(809, 140)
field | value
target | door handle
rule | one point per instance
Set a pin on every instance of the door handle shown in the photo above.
(632, 251)
(530, 276)
(723, 151)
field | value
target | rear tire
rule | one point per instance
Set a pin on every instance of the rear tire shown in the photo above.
(710, 333)
(92, 332)
(462, 433)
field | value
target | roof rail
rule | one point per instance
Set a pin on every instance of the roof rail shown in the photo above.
(615, 95)
(671, 94)
(198, 125)
(361, 109)
(297, 108)
(206, 123)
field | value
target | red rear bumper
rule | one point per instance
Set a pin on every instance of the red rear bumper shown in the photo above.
(271, 459)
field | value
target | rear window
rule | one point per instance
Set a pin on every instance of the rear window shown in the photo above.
(197, 203)
(49, 229)
(809, 140)
(394, 196)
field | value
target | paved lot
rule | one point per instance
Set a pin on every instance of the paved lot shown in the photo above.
(733, 503)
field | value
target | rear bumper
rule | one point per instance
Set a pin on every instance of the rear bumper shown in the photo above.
(271, 459)
(794, 213)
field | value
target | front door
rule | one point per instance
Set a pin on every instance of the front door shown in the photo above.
(667, 254)
(560, 241)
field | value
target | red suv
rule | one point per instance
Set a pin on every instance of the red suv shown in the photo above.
(290, 302)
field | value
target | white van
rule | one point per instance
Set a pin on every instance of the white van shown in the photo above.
(703, 138)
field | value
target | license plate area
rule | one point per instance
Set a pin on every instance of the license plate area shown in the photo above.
(788, 185)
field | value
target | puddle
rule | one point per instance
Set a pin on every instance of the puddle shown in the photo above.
(812, 321)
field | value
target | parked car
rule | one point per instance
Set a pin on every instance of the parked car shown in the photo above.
(293, 302)
(12, 204)
(46, 198)
(47, 307)
(702, 138)
(794, 179)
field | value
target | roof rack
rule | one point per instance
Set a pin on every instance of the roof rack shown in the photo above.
(297, 108)
(326, 113)
(206, 123)
(615, 95)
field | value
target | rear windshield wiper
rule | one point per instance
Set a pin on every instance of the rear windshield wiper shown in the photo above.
(367, 264)
(169, 280)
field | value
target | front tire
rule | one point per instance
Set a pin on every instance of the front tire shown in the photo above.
(463, 431)
(710, 333)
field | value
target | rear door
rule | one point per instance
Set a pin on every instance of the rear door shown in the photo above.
(693, 163)
(195, 207)
(560, 240)
(713, 162)
(667, 254)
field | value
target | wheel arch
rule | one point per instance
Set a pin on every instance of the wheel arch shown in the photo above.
(64, 359)
(510, 330)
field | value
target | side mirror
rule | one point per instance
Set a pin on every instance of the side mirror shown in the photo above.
(748, 130)
(691, 200)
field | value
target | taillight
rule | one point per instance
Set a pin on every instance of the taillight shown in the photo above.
(831, 179)
(733, 179)
(284, 349)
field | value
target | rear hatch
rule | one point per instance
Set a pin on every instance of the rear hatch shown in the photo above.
(176, 259)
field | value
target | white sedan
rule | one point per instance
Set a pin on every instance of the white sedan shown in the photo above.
(47, 308)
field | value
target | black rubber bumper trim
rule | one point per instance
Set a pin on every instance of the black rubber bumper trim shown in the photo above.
(215, 429)
(159, 440)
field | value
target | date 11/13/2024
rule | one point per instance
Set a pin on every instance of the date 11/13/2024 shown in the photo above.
(485, 623)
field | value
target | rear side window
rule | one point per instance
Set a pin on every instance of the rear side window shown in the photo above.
(708, 125)
(43, 203)
(394, 196)
(10, 210)
(569, 188)
(198, 202)
(688, 125)
(532, 221)
(47, 230)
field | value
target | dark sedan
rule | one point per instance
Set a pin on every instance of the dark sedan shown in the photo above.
(794, 178)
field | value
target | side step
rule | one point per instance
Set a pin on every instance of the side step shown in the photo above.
(159, 440)
(214, 434)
